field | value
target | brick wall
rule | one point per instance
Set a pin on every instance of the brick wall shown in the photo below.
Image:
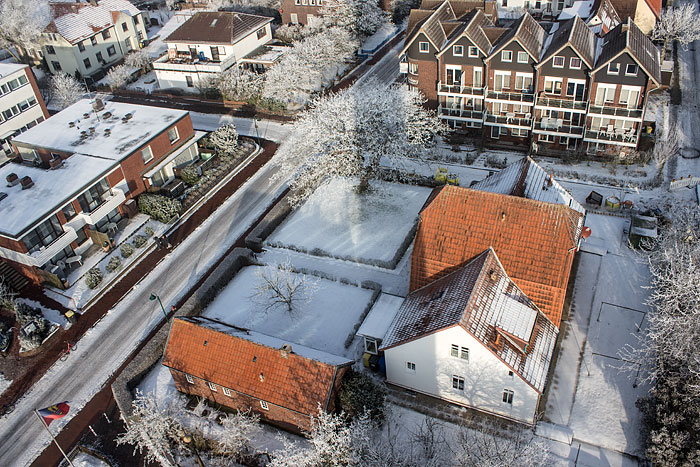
(427, 81)
(37, 94)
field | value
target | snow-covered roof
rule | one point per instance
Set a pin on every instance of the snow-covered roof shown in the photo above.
(581, 8)
(527, 179)
(380, 316)
(22, 209)
(77, 21)
(124, 138)
(10, 68)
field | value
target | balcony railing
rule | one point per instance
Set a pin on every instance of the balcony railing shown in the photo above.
(192, 65)
(558, 127)
(43, 256)
(460, 113)
(508, 121)
(107, 206)
(626, 138)
(525, 97)
(461, 90)
(609, 111)
(548, 102)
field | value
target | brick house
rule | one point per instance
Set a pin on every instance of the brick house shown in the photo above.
(240, 369)
(88, 38)
(562, 84)
(473, 338)
(626, 70)
(21, 104)
(77, 169)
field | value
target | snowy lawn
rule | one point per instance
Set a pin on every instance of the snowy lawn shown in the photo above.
(323, 323)
(337, 221)
(4, 383)
(50, 314)
(83, 459)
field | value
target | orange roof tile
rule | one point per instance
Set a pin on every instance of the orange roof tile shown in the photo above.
(534, 240)
(252, 363)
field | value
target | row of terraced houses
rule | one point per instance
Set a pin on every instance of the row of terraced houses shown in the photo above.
(521, 87)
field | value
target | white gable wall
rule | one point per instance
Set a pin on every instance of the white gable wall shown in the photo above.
(485, 375)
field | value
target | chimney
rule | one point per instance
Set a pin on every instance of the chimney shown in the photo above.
(26, 182)
(285, 350)
(12, 179)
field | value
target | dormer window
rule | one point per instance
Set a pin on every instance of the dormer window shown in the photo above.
(423, 47)
(558, 62)
(575, 63)
(458, 50)
(613, 68)
(631, 70)
(473, 51)
(506, 56)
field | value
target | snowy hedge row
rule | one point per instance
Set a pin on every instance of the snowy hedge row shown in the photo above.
(159, 207)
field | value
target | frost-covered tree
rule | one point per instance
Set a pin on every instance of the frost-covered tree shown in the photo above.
(21, 23)
(279, 286)
(224, 139)
(153, 428)
(361, 17)
(678, 23)
(400, 9)
(138, 59)
(8, 297)
(491, 446)
(349, 133)
(236, 84)
(118, 76)
(66, 90)
(360, 394)
(234, 440)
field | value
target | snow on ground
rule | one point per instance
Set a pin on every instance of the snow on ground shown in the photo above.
(50, 314)
(146, 83)
(83, 459)
(342, 223)
(382, 35)
(156, 46)
(4, 383)
(323, 323)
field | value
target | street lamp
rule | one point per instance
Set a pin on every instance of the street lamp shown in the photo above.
(156, 297)
(256, 119)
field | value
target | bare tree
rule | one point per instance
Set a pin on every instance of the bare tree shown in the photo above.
(21, 23)
(666, 147)
(66, 90)
(280, 286)
(234, 441)
(677, 23)
(138, 59)
(224, 139)
(492, 446)
(118, 76)
(8, 297)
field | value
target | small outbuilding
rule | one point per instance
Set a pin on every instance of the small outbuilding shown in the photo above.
(643, 231)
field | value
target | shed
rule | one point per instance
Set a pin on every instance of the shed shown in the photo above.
(594, 199)
(378, 320)
(642, 228)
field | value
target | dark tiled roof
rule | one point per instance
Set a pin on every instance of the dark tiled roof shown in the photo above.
(252, 363)
(415, 19)
(472, 26)
(222, 27)
(527, 32)
(534, 240)
(430, 25)
(575, 33)
(482, 299)
(627, 37)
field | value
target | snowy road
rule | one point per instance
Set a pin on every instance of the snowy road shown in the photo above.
(267, 129)
(385, 70)
(105, 347)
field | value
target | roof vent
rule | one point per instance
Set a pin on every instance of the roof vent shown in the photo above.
(12, 179)
(71, 124)
(285, 350)
(213, 23)
(128, 115)
(86, 115)
(106, 115)
(56, 162)
(492, 275)
(3, 195)
(262, 377)
(98, 105)
(26, 182)
(108, 132)
(503, 216)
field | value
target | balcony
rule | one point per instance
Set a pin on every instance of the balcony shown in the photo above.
(508, 121)
(557, 127)
(560, 104)
(460, 114)
(186, 63)
(619, 137)
(524, 98)
(458, 90)
(107, 206)
(412, 80)
(43, 256)
(617, 112)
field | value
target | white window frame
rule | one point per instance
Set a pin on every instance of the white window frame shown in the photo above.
(508, 396)
(610, 72)
(455, 68)
(454, 351)
(608, 90)
(503, 55)
(576, 82)
(423, 47)
(410, 368)
(464, 353)
(547, 80)
(571, 63)
(627, 73)
(479, 83)
(150, 152)
(264, 406)
(554, 61)
(546, 138)
(177, 135)
(629, 90)
(520, 57)
(227, 391)
(460, 48)
(212, 386)
(524, 77)
(189, 378)
(497, 73)
(458, 383)
(373, 348)
(473, 51)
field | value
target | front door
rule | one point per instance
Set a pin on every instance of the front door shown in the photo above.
(454, 77)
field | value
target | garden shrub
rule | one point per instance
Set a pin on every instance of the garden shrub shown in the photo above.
(139, 241)
(114, 264)
(26, 314)
(126, 250)
(189, 175)
(359, 393)
(159, 207)
(495, 162)
(148, 231)
(93, 277)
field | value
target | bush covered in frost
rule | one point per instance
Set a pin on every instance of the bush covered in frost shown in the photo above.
(126, 250)
(148, 231)
(189, 175)
(93, 277)
(359, 393)
(139, 241)
(114, 264)
(31, 337)
(159, 207)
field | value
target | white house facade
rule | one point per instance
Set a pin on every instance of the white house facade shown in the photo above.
(209, 43)
(88, 38)
(452, 365)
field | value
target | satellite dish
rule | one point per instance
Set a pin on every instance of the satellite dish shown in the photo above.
(586, 232)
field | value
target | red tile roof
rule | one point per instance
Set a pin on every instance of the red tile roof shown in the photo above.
(534, 240)
(253, 364)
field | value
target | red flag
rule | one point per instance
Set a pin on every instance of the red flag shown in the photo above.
(54, 412)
